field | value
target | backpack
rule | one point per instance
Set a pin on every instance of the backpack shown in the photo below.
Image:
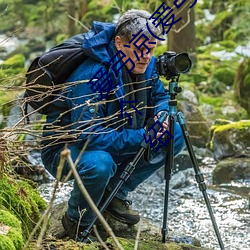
(48, 73)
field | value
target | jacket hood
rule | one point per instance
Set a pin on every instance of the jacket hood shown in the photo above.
(98, 43)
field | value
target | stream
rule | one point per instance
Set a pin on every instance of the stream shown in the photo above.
(187, 212)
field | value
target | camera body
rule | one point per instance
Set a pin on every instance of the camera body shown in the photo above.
(171, 65)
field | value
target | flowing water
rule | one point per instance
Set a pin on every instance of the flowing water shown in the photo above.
(187, 212)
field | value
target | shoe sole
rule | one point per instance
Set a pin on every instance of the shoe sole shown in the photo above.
(121, 219)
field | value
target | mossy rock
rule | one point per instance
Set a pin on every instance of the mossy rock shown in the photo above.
(128, 244)
(150, 236)
(231, 169)
(10, 231)
(22, 200)
(230, 139)
(221, 107)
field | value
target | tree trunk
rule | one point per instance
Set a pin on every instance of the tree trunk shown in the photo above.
(181, 37)
(83, 7)
(72, 14)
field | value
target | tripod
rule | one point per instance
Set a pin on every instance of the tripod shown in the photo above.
(169, 163)
(127, 171)
(173, 90)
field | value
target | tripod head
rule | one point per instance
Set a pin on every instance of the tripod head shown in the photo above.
(174, 89)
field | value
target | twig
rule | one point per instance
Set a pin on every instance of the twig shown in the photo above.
(66, 154)
(137, 236)
(77, 21)
(45, 217)
(99, 238)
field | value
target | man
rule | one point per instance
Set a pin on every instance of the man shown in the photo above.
(109, 121)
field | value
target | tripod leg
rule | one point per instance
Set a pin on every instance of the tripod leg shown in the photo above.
(168, 173)
(127, 171)
(199, 176)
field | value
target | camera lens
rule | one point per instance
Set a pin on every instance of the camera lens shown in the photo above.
(182, 63)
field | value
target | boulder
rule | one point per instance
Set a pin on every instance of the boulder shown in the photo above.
(197, 125)
(231, 169)
(230, 140)
(150, 235)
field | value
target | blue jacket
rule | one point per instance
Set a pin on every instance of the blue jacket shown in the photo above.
(81, 101)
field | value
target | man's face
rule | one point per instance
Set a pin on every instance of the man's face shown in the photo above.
(142, 62)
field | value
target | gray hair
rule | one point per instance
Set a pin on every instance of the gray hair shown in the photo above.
(132, 21)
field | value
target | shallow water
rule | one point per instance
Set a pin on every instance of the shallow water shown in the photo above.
(188, 215)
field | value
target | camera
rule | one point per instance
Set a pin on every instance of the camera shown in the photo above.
(171, 65)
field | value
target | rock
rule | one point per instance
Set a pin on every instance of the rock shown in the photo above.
(181, 179)
(231, 169)
(231, 139)
(150, 235)
(222, 122)
(197, 125)
(206, 109)
(228, 110)
(189, 96)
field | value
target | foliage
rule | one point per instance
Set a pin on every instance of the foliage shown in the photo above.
(242, 84)
(224, 75)
(17, 60)
(230, 22)
(12, 68)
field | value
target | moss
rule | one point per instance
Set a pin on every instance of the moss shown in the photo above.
(22, 200)
(13, 71)
(224, 75)
(222, 134)
(128, 244)
(17, 61)
(6, 243)
(212, 100)
(16, 237)
(13, 238)
(220, 24)
(237, 125)
(10, 220)
(229, 45)
(219, 103)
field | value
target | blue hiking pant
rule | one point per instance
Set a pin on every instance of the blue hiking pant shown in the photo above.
(100, 170)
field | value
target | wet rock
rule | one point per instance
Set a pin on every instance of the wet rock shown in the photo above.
(181, 179)
(231, 169)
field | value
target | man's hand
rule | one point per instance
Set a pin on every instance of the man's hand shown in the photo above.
(165, 124)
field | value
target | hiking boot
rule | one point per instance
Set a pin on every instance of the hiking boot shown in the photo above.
(121, 211)
(75, 231)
